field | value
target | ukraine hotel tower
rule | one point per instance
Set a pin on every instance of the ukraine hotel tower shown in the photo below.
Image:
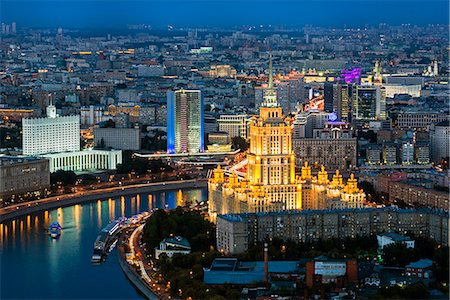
(269, 182)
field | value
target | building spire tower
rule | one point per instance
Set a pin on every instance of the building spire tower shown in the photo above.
(270, 183)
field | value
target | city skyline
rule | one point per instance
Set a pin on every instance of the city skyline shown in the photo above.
(117, 14)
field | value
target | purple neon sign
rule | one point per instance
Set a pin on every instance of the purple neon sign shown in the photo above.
(351, 76)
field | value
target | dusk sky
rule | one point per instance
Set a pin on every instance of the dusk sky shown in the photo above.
(114, 13)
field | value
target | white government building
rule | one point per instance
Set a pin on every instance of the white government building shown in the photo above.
(58, 139)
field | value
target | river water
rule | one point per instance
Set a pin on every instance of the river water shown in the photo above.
(34, 266)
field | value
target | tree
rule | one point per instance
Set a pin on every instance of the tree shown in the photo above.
(240, 143)
(63, 177)
(189, 224)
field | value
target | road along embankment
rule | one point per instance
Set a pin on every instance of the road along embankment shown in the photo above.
(26, 208)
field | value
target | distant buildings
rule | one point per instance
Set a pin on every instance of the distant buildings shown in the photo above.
(236, 232)
(51, 134)
(185, 121)
(23, 175)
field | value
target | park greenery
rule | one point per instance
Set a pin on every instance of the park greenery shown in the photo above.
(140, 166)
(180, 222)
(184, 273)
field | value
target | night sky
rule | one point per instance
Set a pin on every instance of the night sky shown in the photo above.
(117, 13)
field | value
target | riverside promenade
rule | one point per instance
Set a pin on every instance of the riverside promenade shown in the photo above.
(14, 211)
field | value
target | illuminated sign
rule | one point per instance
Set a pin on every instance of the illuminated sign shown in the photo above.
(351, 76)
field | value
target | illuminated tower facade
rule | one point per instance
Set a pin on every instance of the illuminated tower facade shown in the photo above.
(270, 183)
(185, 129)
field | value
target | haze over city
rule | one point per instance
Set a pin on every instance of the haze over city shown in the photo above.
(340, 13)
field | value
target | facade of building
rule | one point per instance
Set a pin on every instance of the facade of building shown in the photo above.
(392, 238)
(420, 269)
(51, 134)
(412, 194)
(369, 103)
(23, 175)
(337, 271)
(118, 138)
(185, 121)
(236, 232)
(419, 119)
(398, 89)
(234, 125)
(269, 183)
(440, 141)
(173, 245)
(306, 122)
(333, 146)
(87, 160)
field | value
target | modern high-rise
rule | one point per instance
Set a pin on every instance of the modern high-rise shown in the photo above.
(51, 134)
(185, 127)
(328, 96)
(369, 103)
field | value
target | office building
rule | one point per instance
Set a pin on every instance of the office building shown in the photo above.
(234, 125)
(118, 138)
(369, 103)
(440, 141)
(185, 121)
(341, 101)
(305, 123)
(328, 96)
(21, 176)
(51, 134)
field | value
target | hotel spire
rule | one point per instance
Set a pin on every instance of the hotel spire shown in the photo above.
(270, 71)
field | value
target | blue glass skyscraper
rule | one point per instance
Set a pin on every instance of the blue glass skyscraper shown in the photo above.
(185, 128)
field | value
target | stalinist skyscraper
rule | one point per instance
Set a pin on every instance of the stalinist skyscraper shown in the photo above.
(269, 183)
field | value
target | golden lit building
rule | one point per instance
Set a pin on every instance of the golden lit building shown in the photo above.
(269, 182)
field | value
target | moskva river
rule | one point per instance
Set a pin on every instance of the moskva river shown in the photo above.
(35, 266)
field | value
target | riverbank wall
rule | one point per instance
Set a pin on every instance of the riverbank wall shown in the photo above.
(135, 280)
(73, 199)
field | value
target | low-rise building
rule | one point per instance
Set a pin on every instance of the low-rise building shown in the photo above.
(392, 238)
(324, 270)
(173, 245)
(87, 160)
(420, 269)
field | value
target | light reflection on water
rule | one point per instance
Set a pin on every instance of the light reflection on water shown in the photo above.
(35, 266)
